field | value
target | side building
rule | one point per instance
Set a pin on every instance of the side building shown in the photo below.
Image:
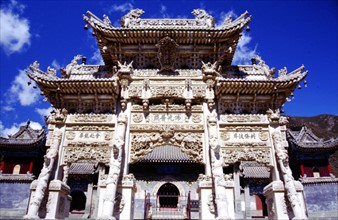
(310, 160)
(21, 159)
(166, 127)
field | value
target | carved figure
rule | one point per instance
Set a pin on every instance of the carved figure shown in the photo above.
(132, 17)
(291, 192)
(204, 17)
(217, 162)
(114, 170)
(167, 54)
(125, 67)
(65, 72)
(106, 20)
(282, 72)
(43, 178)
(51, 72)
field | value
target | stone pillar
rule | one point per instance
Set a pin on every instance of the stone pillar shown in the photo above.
(206, 197)
(247, 201)
(115, 168)
(230, 195)
(275, 200)
(58, 200)
(127, 201)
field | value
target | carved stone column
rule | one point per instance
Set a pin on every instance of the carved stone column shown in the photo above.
(224, 201)
(43, 179)
(299, 211)
(126, 207)
(115, 169)
(206, 197)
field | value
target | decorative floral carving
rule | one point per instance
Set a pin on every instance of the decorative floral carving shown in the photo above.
(143, 143)
(196, 118)
(264, 136)
(233, 155)
(73, 154)
(137, 117)
(70, 135)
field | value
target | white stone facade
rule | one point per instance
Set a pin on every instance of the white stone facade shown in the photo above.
(165, 87)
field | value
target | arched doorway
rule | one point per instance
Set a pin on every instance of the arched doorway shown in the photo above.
(78, 201)
(168, 195)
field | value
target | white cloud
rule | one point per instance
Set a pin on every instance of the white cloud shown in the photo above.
(44, 111)
(20, 91)
(122, 8)
(243, 52)
(163, 11)
(96, 58)
(14, 29)
(55, 64)
(4, 132)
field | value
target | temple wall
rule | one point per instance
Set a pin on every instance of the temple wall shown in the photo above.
(14, 199)
(321, 199)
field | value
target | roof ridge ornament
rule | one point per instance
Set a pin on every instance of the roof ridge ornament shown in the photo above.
(65, 72)
(132, 18)
(259, 63)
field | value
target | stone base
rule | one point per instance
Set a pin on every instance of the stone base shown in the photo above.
(277, 206)
(58, 200)
(275, 200)
(206, 197)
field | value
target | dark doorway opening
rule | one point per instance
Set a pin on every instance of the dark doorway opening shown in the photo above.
(168, 195)
(78, 201)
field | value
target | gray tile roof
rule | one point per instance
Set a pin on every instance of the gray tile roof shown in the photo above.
(83, 167)
(252, 169)
(167, 153)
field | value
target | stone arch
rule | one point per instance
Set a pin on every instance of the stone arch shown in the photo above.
(168, 180)
(168, 196)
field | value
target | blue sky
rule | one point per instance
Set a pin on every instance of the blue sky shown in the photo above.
(284, 33)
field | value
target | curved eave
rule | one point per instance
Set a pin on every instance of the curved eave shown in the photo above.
(269, 86)
(21, 144)
(328, 145)
(75, 86)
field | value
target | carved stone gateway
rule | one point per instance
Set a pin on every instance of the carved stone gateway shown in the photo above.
(166, 115)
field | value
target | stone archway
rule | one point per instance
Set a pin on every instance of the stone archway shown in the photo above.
(168, 196)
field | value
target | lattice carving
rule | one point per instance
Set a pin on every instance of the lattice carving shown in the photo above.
(144, 143)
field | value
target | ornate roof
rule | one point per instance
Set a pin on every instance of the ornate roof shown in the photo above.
(134, 30)
(306, 140)
(25, 138)
(167, 154)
